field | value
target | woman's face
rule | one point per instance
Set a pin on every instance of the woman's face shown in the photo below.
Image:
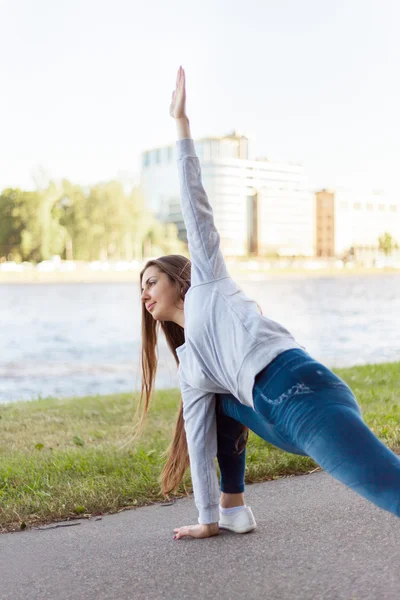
(159, 295)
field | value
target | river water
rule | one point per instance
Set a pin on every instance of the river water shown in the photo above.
(84, 339)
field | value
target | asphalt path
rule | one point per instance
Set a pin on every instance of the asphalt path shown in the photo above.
(315, 540)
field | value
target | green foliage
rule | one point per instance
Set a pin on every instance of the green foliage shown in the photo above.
(387, 244)
(29, 228)
(99, 223)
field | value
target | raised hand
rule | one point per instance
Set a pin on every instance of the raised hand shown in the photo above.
(177, 109)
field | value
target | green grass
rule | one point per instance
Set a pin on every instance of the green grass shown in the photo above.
(60, 458)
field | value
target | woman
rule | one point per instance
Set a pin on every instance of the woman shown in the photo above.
(240, 370)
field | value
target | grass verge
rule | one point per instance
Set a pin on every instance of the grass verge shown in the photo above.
(60, 458)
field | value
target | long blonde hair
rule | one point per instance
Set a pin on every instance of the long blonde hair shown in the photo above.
(178, 270)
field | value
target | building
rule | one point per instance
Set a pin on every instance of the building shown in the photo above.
(348, 219)
(260, 207)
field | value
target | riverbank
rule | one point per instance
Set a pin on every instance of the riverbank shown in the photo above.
(237, 272)
(62, 458)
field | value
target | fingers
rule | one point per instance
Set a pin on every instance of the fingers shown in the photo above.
(181, 531)
(180, 78)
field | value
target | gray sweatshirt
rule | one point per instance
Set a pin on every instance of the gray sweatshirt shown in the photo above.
(227, 341)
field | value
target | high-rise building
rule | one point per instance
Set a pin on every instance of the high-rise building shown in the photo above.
(354, 219)
(259, 206)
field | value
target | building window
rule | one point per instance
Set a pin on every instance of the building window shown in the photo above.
(382, 207)
(357, 205)
(164, 155)
(214, 149)
(199, 149)
(393, 208)
(206, 150)
(146, 159)
(157, 155)
(344, 205)
(170, 153)
(370, 206)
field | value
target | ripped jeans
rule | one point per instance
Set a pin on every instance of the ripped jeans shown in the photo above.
(302, 407)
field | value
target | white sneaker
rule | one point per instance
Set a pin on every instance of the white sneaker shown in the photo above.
(240, 522)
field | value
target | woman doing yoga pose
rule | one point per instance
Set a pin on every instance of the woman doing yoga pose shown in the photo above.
(240, 370)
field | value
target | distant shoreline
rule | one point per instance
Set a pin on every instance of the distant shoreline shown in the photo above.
(79, 276)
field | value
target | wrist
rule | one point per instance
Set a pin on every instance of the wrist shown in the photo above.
(211, 527)
(183, 128)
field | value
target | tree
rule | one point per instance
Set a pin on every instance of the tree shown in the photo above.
(102, 222)
(10, 226)
(29, 229)
(387, 244)
(71, 208)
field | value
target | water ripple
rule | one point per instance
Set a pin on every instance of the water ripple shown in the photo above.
(84, 339)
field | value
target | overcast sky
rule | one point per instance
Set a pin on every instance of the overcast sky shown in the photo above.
(86, 84)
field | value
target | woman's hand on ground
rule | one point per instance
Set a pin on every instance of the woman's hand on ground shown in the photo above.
(177, 109)
(196, 531)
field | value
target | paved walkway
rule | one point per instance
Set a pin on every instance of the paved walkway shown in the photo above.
(315, 540)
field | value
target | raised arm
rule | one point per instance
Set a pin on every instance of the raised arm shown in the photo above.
(208, 263)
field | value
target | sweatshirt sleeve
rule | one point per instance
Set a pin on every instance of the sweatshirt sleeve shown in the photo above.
(201, 435)
(203, 238)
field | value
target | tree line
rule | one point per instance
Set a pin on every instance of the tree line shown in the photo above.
(100, 222)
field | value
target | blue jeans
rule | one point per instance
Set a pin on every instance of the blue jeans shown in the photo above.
(302, 407)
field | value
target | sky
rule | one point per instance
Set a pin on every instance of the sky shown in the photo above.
(86, 85)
